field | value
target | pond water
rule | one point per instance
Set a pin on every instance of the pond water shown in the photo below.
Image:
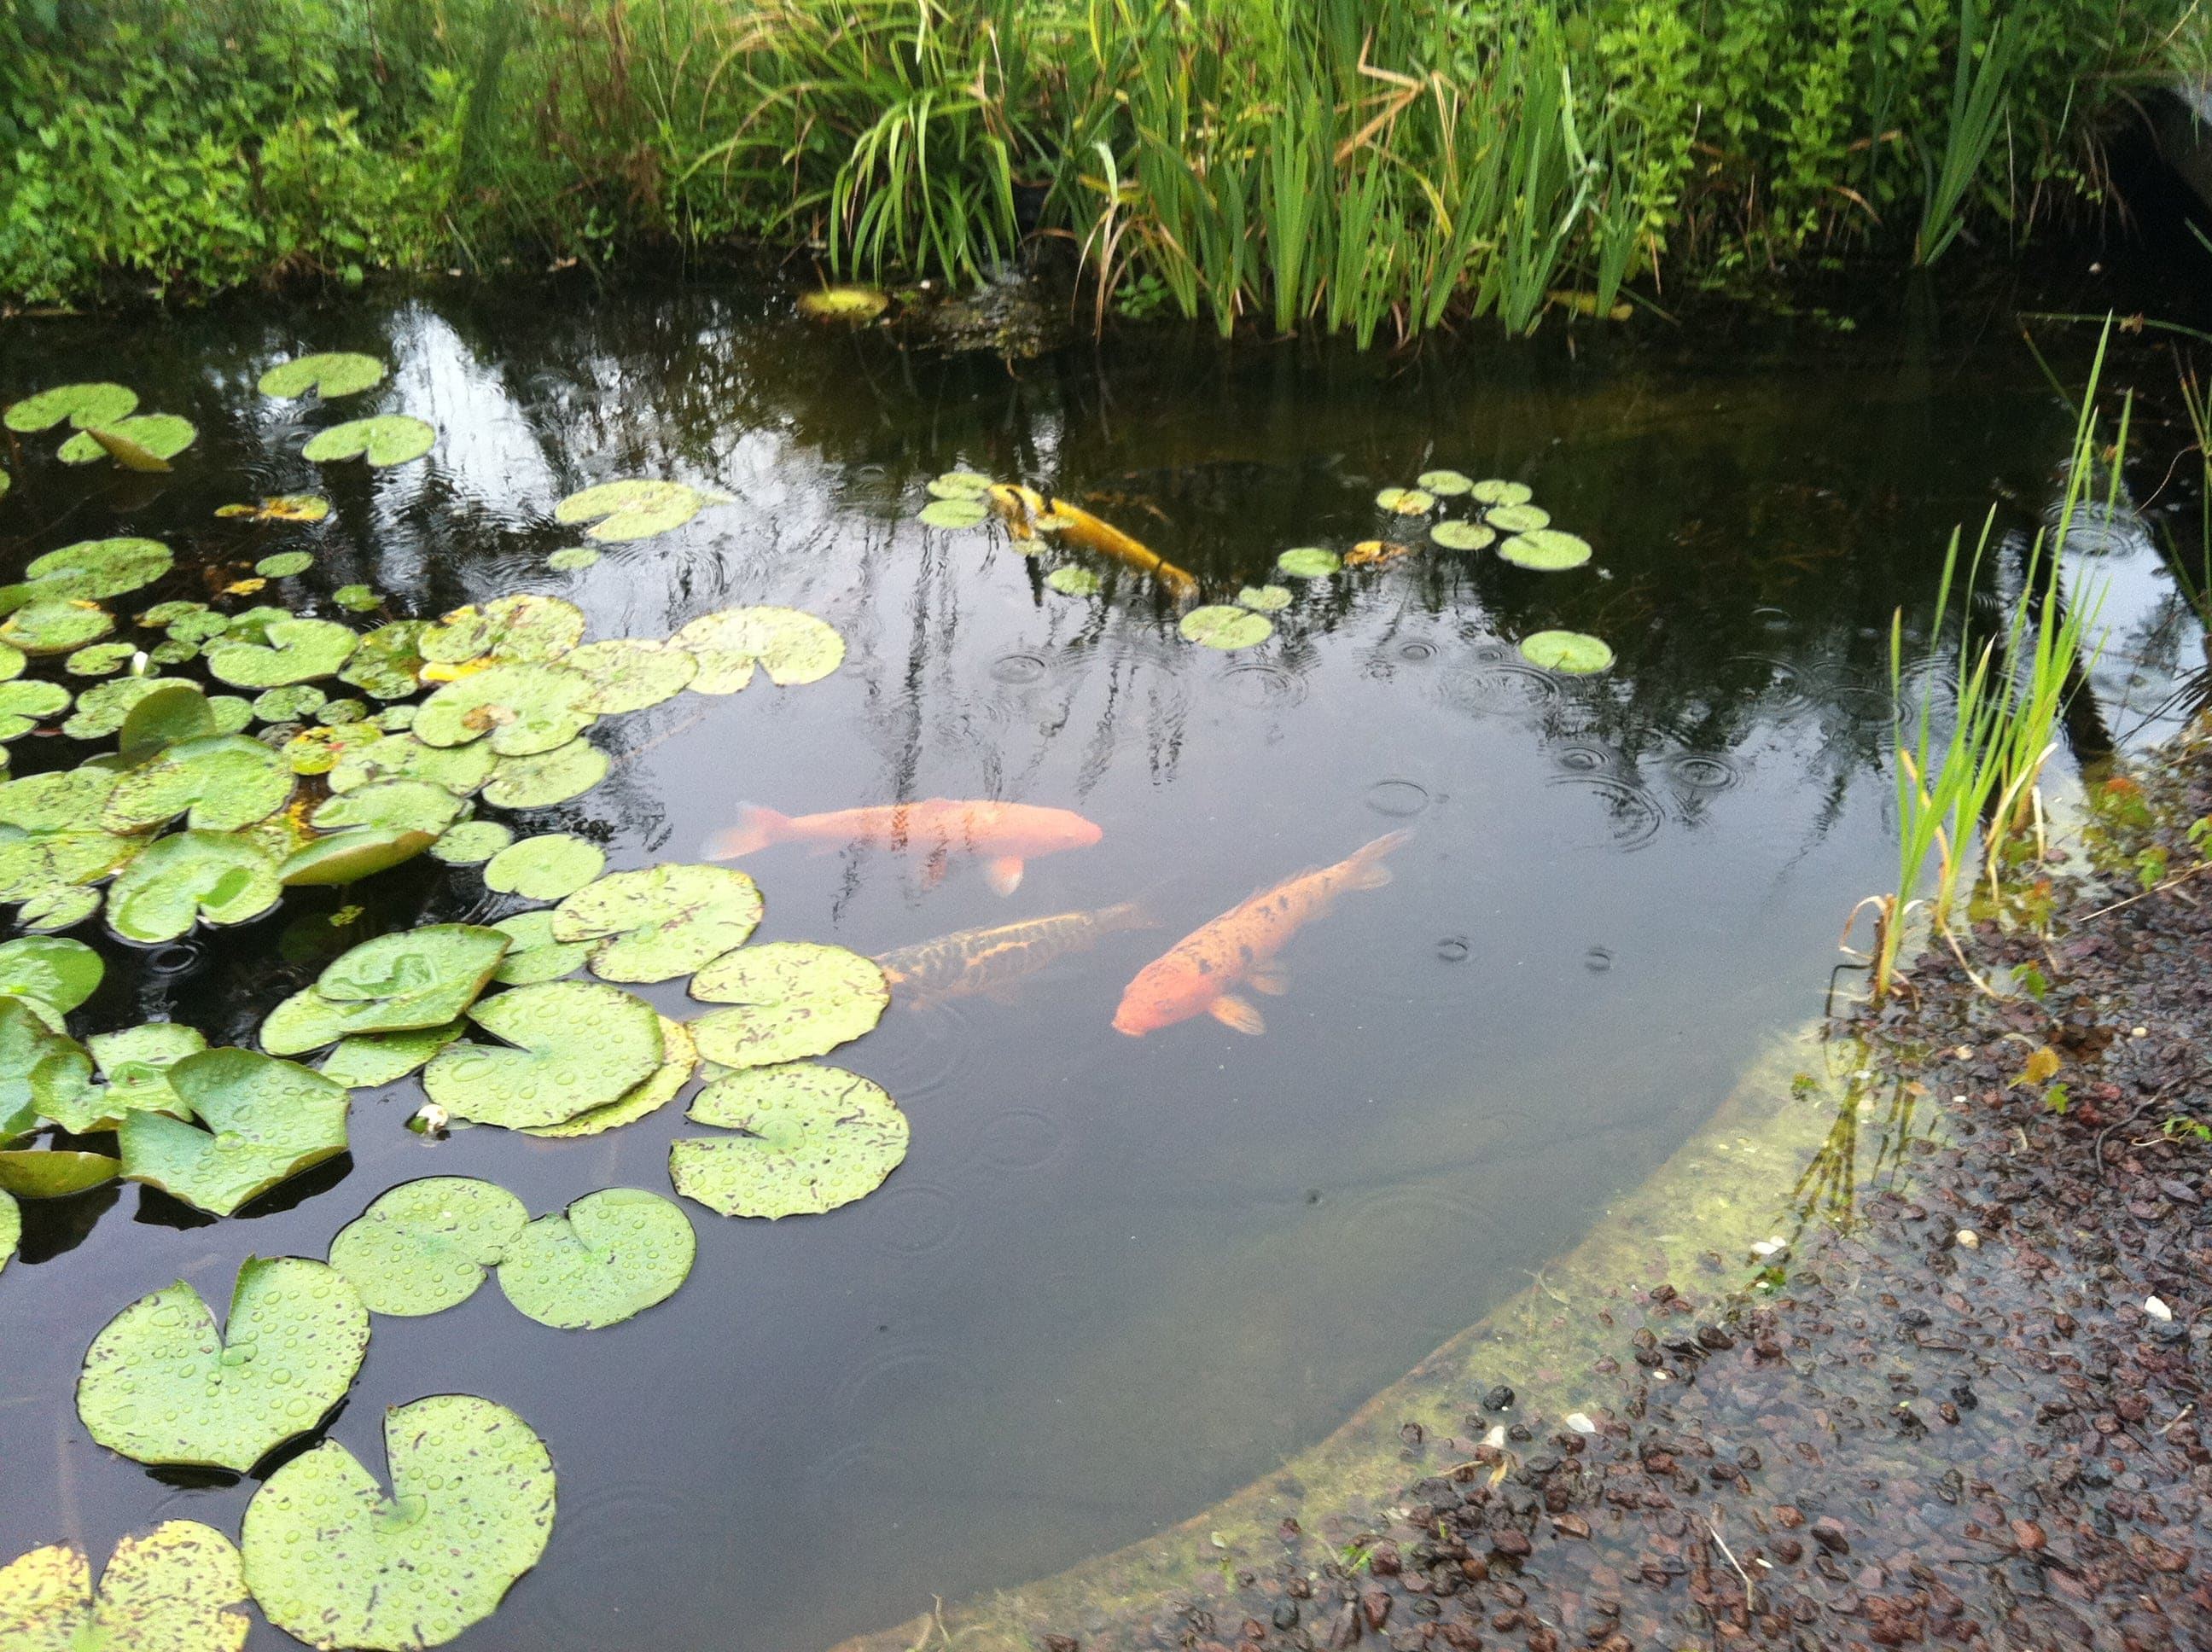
(1115, 1278)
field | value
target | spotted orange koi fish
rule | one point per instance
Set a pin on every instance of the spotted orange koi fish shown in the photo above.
(987, 961)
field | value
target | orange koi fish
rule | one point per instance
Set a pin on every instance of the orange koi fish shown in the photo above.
(1029, 512)
(989, 961)
(1003, 833)
(1197, 974)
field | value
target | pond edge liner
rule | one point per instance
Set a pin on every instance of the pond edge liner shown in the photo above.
(1731, 1185)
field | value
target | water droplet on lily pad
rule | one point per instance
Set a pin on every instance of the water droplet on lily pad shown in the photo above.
(632, 674)
(330, 374)
(1571, 651)
(1226, 628)
(660, 922)
(426, 1246)
(633, 509)
(608, 1257)
(533, 955)
(288, 651)
(524, 708)
(172, 1590)
(813, 1138)
(389, 439)
(679, 1059)
(94, 568)
(187, 878)
(1309, 563)
(576, 1045)
(266, 1120)
(544, 868)
(1546, 550)
(412, 979)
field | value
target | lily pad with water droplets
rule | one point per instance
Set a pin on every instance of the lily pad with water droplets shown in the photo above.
(661, 922)
(608, 1257)
(1406, 501)
(1495, 492)
(546, 778)
(163, 1384)
(526, 629)
(1264, 598)
(577, 1046)
(136, 1064)
(1517, 519)
(267, 1120)
(426, 1246)
(158, 436)
(219, 784)
(953, 515)
(389, 439)
(83, 406)
(94, 568)
(328, 374)
(27, 702)
(571, 559)
(173, 1590)
(297, 651)
(1073, 581)
(1571, 651)
(813, 1138)
(793, 999)
(533, 955)
(187, 878)
(470, 842)
(57, 801)
(544, 868)
(284, 564)
(1309, 563)
(1454, 534)
(336, 1563)
(411, 979)
(373, 1058)
(53, 1172)
(55, 627)
(59, 973)
(635, 509)
(523, 708)
(1224, 627)
(680, 1059)
(349, 856)
(791, 646)
(392, 805)
(632, 674)
(1445, 484)
(1546, 550)
(103, 708)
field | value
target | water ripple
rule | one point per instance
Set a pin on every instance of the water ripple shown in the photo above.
(1398, 800)
(1706, 771)
(1500, 689)
(1263, 685)
(1633, 815)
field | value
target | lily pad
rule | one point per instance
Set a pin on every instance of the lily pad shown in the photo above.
(680, 1059)
(792, 647)
(55, 627)
(526, 628)
(319, 749)
(632, 674)
(1494, 492)
(12, 662)
(347, 856)
(162, 1384)
(661, 922)
(793, 999)
(425, 1246)
(11, 1234)
(1518, 518)
(103, 708)
(392, 805)
(1073, 581)
(187, 878)
(27, 701)
(1454, 534)
(172, 1590)
(395, 983)
(282, 507)
(56, 907)
(336, 1563)
(55, 802)
(1406, 501)
(814, 1137)
(94, 568)
(459, 769)
(100, 659)
(1224, 627)
(81, 404)
(267, 1120)
(294, 701)
(160, 435)
(331, 372)
(219, 784)
(544, 868)
(1571, 651)
(472, 842)
(284, 564)
(960, 484)
(297, 651)
(533, 955)
(1264, 598)
(357, 599)
(374, 1059)
(577, 1046)
(1546, 550)
(386, 664)
(389, 439)
(525, 708)
(59, 973)
(1445, 484)
(172, 652)
(1309, 563)
(630, 510)
(609, 1256)
(136, 1064)
(571, 559)
(55, 1173)
(547, 778)
(854, 305)
(966, 511)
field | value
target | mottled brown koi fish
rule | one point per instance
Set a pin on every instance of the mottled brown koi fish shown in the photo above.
(972, 961)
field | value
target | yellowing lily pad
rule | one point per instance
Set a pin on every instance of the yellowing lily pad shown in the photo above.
(159, 437)
(426, 1246)
(329, 373)
(1224, 627)
(792, 999)
(852, 305)
(187, 878)
(389, 439)
(811, 1138)
(1546, 550)
(792, 647)
(266, 1120)
(281, 507)
(544, 868)
(1571, 651)
(630, 510)
(577, 1046)
(172, 1590)
(83, 406)
(1406, 501)
(608, 1257)
(661, 922)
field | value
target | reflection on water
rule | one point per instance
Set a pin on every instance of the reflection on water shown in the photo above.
(1116, 1278)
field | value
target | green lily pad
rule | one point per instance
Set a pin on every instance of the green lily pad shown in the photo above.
(294, 701)
(1445, 484)
(792, 647)
(11, 1234)
(571, 559)
(544, 868)
(284, 564)
(56, 972)
(470, 842)
(12, 661)
(220, 783)
(357, 599)
(793, 999)
(1406, 501)
(630, 510)
(335, 712)
(170, 652)
(297, 651)
(525, 708)
(329, 373)
(577, 1046)
(55, 627)
(960, 484)
(661, 922)
(136, 1064)
(395, 983)
(187, 878)
(547, 777)
(1494, 492)
(389, 439)
(393, 720)
(94, 568)
(1546, 550)
(319, 749)
(163, 1384)
(374, 1059)
(162, 615)
(392, 805)
(1518, 518)
(1571, 651)
(1309, 563)
(347, 857)
(267, 1120)
(56, 907)
(54, 1173)
(1073, 581)
(954, 514)
(336, 1563)
(25, 702)
(1264, 598)
(100, 659)
(1453, 534)
(103, 708)
(814, 1137)
(172, 1590)
(57, 801)
(533, 955)
(680, 1059)
(527, 629)
(386, 664)
(81, 404)
(425, 1246)
(609, 1256)
(460, 769)
(160, 435)
(1226, 628)
(631, 673)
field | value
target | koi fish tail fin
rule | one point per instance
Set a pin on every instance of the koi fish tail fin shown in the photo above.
(1368, 871)
(757, 829)
(1130, 914)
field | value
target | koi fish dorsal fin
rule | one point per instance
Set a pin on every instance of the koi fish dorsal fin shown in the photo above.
(1004, 873)
(1237, 1015)
(757, 829)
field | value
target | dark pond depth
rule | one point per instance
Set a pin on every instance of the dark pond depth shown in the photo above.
(1116, 1278)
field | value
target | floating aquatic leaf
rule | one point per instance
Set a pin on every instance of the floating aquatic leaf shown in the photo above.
(1454, 534)
(631, 673)
(1495, 492)
(294, 701)
(385, 664)
(59, 973)
(578, 1046)
(25, 702)
(136, 1064)
(374, 1059)
(56, 907)
(571, 560)
(1309, 563)
(11, 1234)
(347, 857)
(1571, 651)
(536, 782)
(395, 983)
(225, 782)
(814, 1137)
(335, 712)
(1547, 549)
(793, 999)
(172, 1590)
(102, 708)
(965, 511)
(792, 647)
(392, 805)
(960, 484)
(393, 720)
(162, 1384)
(1445, 484)
(357, 598)
(100, 659)
(266, 1121)
(524, 708)
(527, 627)
(533, 955)
(1376, 553)
(164, 614)
(12, 662)
(661, 922)
(81, 404)
(94, 568)
(187, 878)
(319, 749)
(172, 652)
(679, 1059)
(389, 439)
(1264, 598)
(630, 510)
(329, 373)
(335, 1563)
(55, 627)
(156, 436)
(609, 1256)
(1406, 501)
(854, 305)
(244, 587)
(1518, 518)
(460, 769)
(1073, 581)
(57, 801)
(470, 842)
(1221, 626)
(544, 868)
(297, 651)
(425, 1246)
(55, 1173)
(284, 564)
(282, 507)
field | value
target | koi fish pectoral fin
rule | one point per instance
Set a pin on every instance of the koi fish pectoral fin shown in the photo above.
(1274, 982)
(1240, 1016)
(1004, 873)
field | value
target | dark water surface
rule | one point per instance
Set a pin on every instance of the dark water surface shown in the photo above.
(1115, 1279)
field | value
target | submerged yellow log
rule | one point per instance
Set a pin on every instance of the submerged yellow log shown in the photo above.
(1029, 512)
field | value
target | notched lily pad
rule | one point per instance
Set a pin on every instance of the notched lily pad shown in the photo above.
(1495, 492)
(55, 626)
(59, 973)
(425, 1246)
(296, 651)
(136, 1064)
(1227, 627)
(373, 1058)
(631, 673)
(94, 568)
(1445, 484)
(103, 708)
(661, 922)
(100, 659)
(172, 1590)
(27, 702)
(392, 805)
(523, 708)
(132, 442)
(630, 510)
(399, 983)
(328, 374)
(266, 1121)
(1406, 501)
(1264, 598)
(610, 1255)
(792, 998)
(1517, 519)
(460, 769)
(386, 664)
(791, 646)
(1454, 534)
(813, 1138)
(544, 868)
(470, 842)
(533, 955)
(955, 514)
(577, 1046)
(189, 876)
(389, 439)
(83, 406)
(526, 628)
(1309, 563)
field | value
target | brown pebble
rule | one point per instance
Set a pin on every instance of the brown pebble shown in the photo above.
(1570, 1526)
(1375, 1603)
(2027, 1535)
(1062, 1643)
(1463, 1637)
(1828, 1532)
(1789, 1551)
(1543, 1640)
(1789, 1514)
(1510, 1542)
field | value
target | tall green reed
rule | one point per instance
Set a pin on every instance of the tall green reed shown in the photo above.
(1977, 114)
